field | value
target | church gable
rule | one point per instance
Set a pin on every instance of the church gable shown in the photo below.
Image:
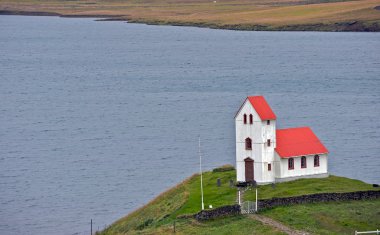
(261, 107)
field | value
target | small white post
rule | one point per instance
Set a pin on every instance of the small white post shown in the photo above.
(256, 199)
(239, 198)
(200, 169)
(356, 232)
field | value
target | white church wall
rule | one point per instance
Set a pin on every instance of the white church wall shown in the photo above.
(268, 133)
(277, 166)
(298, 171)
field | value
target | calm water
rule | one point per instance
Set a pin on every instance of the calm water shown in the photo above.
(99, 117)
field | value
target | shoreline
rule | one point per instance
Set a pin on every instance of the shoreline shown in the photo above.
(350, 26)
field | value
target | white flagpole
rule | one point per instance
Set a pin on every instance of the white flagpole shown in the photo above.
(200, 169)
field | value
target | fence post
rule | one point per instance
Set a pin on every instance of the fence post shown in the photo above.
(256, 200)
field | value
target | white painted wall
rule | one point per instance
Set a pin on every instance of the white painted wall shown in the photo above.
(259, 132)
(282, 170)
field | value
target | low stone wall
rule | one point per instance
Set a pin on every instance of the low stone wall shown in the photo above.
(321, 197)
(270, 203)
(218, 212)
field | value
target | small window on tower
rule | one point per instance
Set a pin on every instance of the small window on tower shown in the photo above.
(268, 143)
(250, 119)
(248, 144)
(268, 122)
(269, 167)
(245, 118)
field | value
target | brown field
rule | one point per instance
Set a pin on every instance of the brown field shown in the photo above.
(324, 15)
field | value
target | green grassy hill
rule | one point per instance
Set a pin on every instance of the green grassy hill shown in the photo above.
(159, 215)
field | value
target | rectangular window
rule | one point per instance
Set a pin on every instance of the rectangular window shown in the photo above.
(248, 144)
(303, 162)
(269, 167)
(316, 160)
(268, 143)
(290, 163)
(268, 122)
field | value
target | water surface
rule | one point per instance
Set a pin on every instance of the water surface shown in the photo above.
(99, 117)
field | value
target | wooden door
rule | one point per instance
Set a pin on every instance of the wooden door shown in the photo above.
(248, 170)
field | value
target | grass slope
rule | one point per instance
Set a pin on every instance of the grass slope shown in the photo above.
(332, 184)
(323, 15)
(158, 216)
(330, 218)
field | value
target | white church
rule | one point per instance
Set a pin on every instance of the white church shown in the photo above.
(267, 155)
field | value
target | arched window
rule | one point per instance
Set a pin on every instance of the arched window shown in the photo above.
(250, 119)
(245, 118)
(248, 144)
(316, 160)
(290, 163)
(303, 162)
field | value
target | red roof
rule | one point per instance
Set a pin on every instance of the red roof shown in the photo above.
(262, 107)
(298, 142)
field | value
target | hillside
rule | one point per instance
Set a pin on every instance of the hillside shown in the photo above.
(159, 215)
(300, 15)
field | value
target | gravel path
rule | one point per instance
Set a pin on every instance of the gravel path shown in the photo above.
(277, 225)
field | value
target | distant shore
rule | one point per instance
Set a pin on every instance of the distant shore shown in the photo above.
(352, 26)
(320, 15)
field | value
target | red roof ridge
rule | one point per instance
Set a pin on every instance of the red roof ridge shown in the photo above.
(291, 128)
(261, 106)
